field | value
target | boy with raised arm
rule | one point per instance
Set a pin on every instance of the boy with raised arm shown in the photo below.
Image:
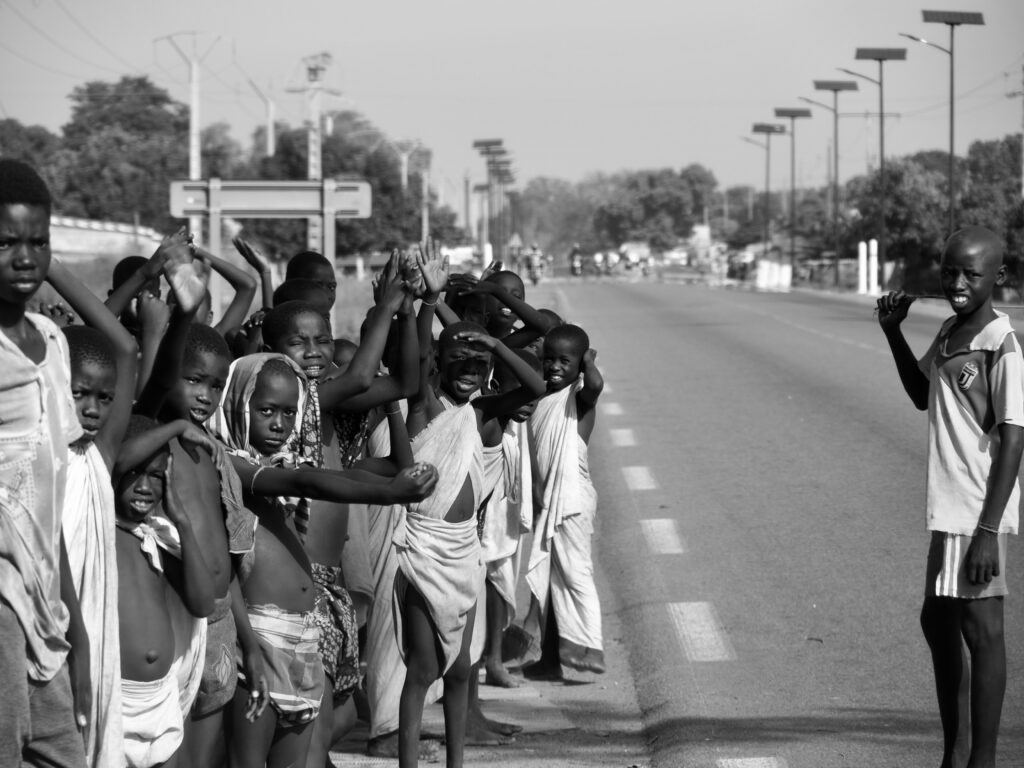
(561, 563)
(440, 567)
(149, 568)
(44, 648)
(103, 362)
(971, 382)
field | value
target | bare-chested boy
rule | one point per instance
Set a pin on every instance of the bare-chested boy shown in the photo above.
(147, 572)
(439, 556)
(971, 382)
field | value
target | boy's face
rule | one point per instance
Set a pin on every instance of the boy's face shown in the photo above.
(309, 343)
(196, 394)
(507, 383)
(92, 387)
(969, 275)
(24, 251)
(272, 410)
(502, 316)
(536, 347)
(561, 361)
(462, 369)
(324, 276)
(140, 491)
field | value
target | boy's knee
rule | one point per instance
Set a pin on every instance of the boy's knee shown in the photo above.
(459, 671)
(983, 623)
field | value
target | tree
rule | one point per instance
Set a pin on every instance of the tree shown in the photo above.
(222, 156)
(32, 144)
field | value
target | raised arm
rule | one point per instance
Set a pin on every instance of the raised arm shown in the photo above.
(531, 317)
(255, 260)
(424, 405)
(362, 371)
(593, 382)
(154, 318)
(122, 296)
(136, 450)
(531, 385)
(243, 284)
(892, 311)
(190, 576)
(96, 315)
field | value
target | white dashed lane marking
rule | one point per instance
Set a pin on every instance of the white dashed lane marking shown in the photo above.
(700, 632)
(612, 409)
(662, 537)
(639, 479)
(751, 762)
(622, 438)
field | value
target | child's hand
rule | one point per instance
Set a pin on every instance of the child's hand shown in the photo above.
(81, 688)
(192, 438)
(58, 313)
(476, 339)
(892, 309)
(433, 268)
(982, 561)
(255, 321)
(154, 316)
(252, 257)
(391, 288)
(414, 483)
(259, 690)
(158, 260)
(494, 266)
(589, 358)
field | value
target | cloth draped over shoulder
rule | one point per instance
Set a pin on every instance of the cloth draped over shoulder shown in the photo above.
(231, 419)
(88, 526)
(37, 424)
(563, 474)
(442, 560)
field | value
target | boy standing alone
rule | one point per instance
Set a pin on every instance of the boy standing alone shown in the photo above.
(971, 382)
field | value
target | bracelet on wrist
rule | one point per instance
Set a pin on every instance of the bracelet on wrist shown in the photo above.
(430, 303)
(988, 528)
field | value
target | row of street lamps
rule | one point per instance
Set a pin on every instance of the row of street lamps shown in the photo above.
(499, 177)
(952, 19)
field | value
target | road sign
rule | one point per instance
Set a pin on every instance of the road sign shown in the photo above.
(272, 199)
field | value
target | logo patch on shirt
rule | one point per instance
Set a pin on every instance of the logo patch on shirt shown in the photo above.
(967, 375)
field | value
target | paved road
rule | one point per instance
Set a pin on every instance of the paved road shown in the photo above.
(762, 482)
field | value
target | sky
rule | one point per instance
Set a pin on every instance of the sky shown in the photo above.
(571, 86)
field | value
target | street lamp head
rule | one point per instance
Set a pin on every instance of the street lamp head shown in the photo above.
(792, 112)
(953, 17)
(835, 85)
(816, 103)
(857, 74)
(487, 143)
(881, 54)
(915, 38)
(768, 128)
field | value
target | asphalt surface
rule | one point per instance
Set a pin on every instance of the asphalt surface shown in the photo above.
(763, 445)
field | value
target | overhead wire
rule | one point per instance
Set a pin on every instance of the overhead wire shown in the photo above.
(36, 64)
(93, 37)
(46, 36)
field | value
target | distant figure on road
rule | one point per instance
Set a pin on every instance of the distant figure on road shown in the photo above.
(971, 382)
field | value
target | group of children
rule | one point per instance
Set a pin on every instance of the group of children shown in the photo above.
(209, 532)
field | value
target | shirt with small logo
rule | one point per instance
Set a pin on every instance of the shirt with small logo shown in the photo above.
(972, 390)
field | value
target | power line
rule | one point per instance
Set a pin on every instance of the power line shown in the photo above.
(36, 64)
(46, 36)
(1002, 73)
(93, 37)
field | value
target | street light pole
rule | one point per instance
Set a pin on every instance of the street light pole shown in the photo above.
(881, 55)
(792, 114)
(488, 148)
(768, 129)
(952, 19)
(835, 86)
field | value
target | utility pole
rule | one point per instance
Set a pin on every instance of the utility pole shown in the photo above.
(1013, 95)
(468, 223)
(195, 171)
(268, 104)
(314, 89)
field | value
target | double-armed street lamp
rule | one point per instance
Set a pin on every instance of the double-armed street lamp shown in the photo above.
(952, 19)
(490, 149)
(835, 86)
(792, 114)
(768, 129)
(881, 55)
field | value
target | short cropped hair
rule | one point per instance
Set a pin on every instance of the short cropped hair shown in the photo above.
(299, 289)
(506, 274)
(571, 333)
(277, 322)
(301, 264)
(460, 327)
(88, 345)
(553, 316)
(125, 268)
(502, 371)
(278, 367)
(204, 338)
(20, 184)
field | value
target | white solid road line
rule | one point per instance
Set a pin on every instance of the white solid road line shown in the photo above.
(751, 762)
(639, 479)
(700, 632)
(662, 537)
(611, 409)
(622, 438)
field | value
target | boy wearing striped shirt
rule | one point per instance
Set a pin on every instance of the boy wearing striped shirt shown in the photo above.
(971, 382)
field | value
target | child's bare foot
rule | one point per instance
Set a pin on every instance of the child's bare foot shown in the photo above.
(572, 654)
(480, 734)
(387, 746)
(500, 677)
(593, 661)
(541, 670)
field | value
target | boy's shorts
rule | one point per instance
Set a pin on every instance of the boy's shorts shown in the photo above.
(947, 574)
